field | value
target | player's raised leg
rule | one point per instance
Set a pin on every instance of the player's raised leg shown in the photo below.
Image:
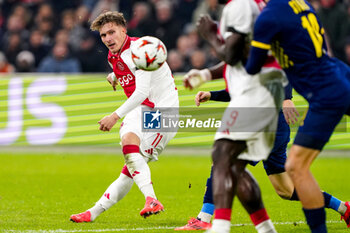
(141, 173)
(281, 181)
(284, 187)
(343, 208)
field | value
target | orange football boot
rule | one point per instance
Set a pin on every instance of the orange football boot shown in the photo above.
(152, 206)
(194, 224)
(346, 216)
(82, 217)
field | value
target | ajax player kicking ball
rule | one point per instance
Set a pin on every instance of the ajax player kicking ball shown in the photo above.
(145, 90)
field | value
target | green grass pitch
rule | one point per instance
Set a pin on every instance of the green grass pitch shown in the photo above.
(40, 190)
(38, 193)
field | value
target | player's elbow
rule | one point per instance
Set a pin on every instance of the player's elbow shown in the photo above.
(142, 94)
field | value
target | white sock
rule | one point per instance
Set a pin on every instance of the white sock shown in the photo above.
(342, 208)
(221, 226)
(114, 193)
(141, 173)
(265, 227)
(205, 217)
(95, 211)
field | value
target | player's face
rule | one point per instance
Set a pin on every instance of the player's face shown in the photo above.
(113, 36)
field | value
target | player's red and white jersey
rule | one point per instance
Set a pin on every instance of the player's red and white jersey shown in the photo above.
(240, 16)
(162, 89)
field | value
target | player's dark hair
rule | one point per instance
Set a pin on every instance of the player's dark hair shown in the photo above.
(108, 17)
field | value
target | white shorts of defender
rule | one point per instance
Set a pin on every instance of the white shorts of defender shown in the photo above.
(252, 117)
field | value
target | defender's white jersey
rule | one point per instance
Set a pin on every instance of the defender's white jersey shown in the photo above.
(240, 16)
(252, 113)
(151, 88)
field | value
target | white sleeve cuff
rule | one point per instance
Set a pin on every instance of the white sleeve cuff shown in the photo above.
(205, 75)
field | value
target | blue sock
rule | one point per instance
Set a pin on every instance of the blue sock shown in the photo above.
(331, 202)
(316, 219)
(208, 196)
(208, 202)
(208, 208)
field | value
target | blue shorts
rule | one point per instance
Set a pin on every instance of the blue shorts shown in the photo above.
(322, 118)
(278, 156)
(318, 127)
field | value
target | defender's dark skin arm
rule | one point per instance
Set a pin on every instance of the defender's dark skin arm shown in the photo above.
(231, 50)
(217, 71)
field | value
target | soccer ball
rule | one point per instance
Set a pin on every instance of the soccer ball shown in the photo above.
(148, 53)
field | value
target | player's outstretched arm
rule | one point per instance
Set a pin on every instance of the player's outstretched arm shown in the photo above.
(201, 97)
(222, 96)
(112, 79)
(143, 83)
(204, 96)
(141, 92)
(107, 123)
(195, 78)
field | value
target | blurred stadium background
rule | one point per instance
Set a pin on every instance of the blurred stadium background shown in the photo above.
(53, 91)
(54, 36)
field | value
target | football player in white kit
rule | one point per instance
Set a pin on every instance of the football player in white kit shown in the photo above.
(145, 90)
(249, 123)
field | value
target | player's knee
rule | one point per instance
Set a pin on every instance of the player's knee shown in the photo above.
(220, 154)
(218, 151)
(238, 167)
(284, 193)
(290, 167)
(295, 168)
(294, 164)
(130, 139)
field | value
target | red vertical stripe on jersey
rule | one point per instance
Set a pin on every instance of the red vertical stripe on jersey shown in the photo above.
(224, 74)
(154, 141)
(160, 138)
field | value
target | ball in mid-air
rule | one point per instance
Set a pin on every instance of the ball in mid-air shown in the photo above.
(148, 53)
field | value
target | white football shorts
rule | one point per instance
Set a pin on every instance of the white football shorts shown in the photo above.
(251, 116)
(151, 143)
